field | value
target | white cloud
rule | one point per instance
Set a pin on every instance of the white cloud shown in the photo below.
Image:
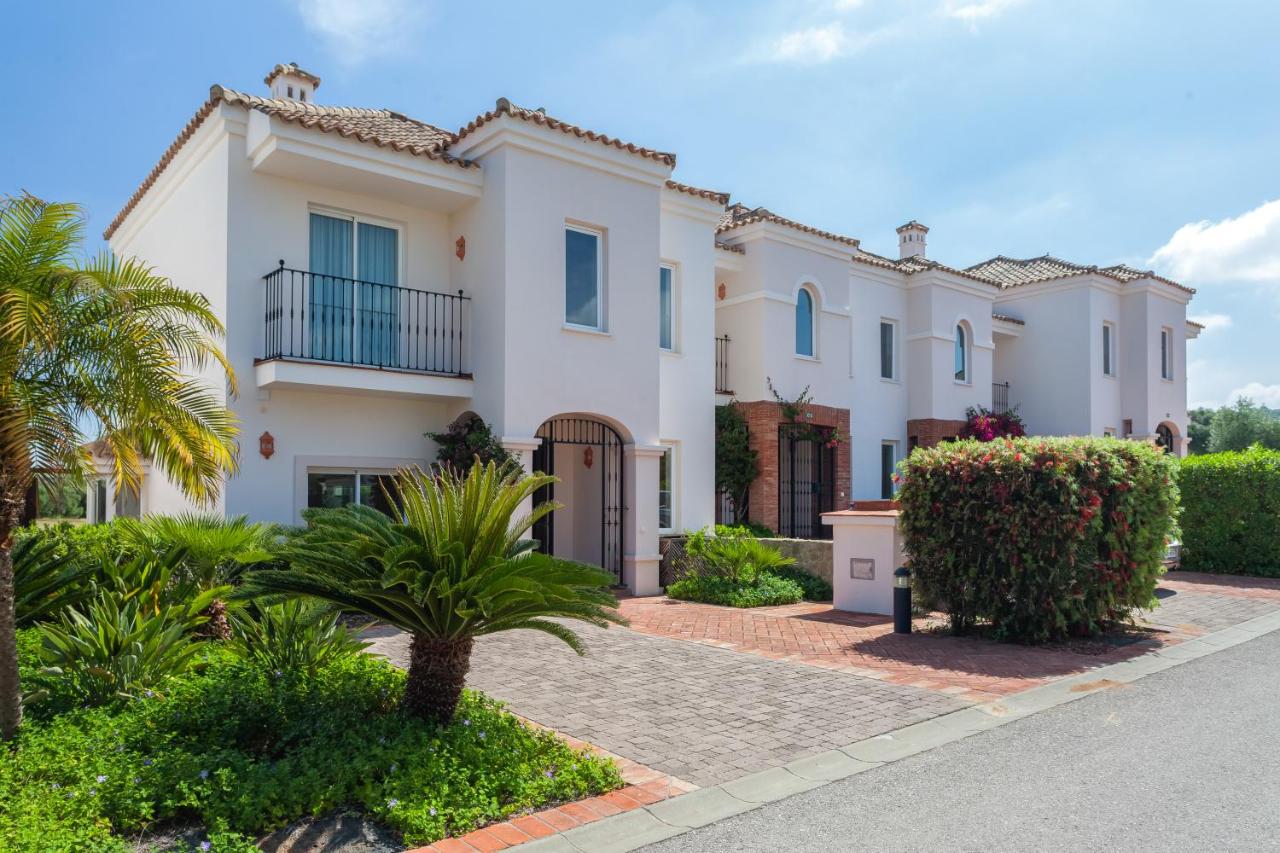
(813, 45)
(1212, 322)
(1266, 395)
(1245, 248)
(973, 12)
(357, 30)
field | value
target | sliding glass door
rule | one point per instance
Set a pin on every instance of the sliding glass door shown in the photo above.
(355, 298)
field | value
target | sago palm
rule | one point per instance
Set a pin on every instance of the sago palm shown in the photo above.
(451, 567)
(100, 349)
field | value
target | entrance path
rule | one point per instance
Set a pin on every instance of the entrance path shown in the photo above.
(974, 669)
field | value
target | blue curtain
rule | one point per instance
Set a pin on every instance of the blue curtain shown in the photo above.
(331, 297)
(378, 265)
(804, 323)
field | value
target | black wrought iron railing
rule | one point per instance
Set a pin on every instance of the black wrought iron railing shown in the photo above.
(722, 366)
(999, 397)
(348, 321)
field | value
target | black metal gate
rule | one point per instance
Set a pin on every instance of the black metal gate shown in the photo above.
(806, 481)
(607, 452)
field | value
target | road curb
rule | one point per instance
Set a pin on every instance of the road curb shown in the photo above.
(705, 806)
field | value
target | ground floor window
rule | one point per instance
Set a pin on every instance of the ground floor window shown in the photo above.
(666, 493)
(888, 460)
(337, 487)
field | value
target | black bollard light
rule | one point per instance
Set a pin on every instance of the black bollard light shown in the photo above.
(902, 600)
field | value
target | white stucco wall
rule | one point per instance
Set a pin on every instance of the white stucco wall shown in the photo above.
(879, 410)
(935, 308)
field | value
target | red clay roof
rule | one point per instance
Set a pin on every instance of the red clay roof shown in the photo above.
(709, 195)
(505, 107)
(739, 214)
(1014, 272)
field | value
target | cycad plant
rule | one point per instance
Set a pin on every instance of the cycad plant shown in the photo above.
(47, 581)
(452, 566)
(217, 551)
(101, 349)
(296, 636)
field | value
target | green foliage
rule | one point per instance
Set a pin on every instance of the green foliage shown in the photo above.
(47, 581)
(763, 591)
(113, 649)
(216, 549)
(60, 497)
(1199, 422)
(1243, 425)
(745, 528)
(452, 565)
(1042, 538)
(1231, 512)
(294, 636)
(466, 440)
(86, 544)
(243, 751)
(738, 559)
(814, 588)
(737, 465)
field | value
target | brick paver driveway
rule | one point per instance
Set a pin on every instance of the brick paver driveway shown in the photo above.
(708, 694)
(699, 713)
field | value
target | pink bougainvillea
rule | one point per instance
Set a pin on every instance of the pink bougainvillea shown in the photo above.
(985, 425)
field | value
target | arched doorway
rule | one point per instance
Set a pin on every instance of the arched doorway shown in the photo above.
(1167, 438)
(586, 455)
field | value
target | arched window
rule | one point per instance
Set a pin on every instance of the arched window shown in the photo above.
(962, 353)
(804, 322)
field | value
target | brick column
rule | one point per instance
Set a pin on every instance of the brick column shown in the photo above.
(929, 432)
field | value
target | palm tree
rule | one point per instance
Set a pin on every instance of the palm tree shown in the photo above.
(450, 567)
(216, 551)
(103, 348)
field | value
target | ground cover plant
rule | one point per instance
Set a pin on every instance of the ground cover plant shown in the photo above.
(241, 748)
(1038, 539)
(733, 568)
(1231, 512)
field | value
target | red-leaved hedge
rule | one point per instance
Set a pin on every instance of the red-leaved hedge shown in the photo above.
(1041, 538)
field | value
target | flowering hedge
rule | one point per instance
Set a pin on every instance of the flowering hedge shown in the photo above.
(1231, 512)
(1042, 538)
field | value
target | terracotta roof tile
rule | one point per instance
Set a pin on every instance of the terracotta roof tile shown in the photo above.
(709, 195)
(730, 247)
(292, 68)
(505, 107)
(914, 264)
(1014, 272)
(383, 128)
(1008, 319)
(739, 214)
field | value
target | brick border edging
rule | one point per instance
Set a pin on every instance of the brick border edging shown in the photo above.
(678, 815)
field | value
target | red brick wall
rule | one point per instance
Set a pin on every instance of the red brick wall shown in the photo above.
(763, 419)
(928, 432)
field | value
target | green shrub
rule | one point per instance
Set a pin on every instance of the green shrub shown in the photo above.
(1231, 512)
(88, 544)
(814, 588)
(745, 528)
(763, 591)
(735, 557)
(242, 749)
(47, 580)
(294, 636)
(1040, 537)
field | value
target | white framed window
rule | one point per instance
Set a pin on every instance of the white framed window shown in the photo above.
(888, 464)
(667, 490)
(1166, 353)
(1109, 432)
(1108, 349)
(667, 308)
(962, 350)
(888, 349)
(338, 487)
(353, 301)
(583, 277)
(805, 311)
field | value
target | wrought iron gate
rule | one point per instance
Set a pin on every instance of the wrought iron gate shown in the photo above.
(806, 481)
(584, 431)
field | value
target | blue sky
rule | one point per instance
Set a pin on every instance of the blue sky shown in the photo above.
(1101, 131)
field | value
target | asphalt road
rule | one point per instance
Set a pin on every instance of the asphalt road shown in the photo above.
(1184, 760)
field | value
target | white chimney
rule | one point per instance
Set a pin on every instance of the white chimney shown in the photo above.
(289, 82)
(911, 240)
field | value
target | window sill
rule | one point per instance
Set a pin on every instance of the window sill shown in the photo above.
(670, 353)
(889, 381)
(585, 330)
(812, 358)
(1165, 379)
(962, 384)
(1108, 376)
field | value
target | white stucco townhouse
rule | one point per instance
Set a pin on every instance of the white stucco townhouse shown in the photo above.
(379, 276)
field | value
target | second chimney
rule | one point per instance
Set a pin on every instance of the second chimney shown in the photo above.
(911, 240)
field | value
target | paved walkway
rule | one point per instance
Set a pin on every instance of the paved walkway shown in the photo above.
(695, 712)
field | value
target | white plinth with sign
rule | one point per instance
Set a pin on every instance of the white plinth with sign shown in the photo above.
(866, 548)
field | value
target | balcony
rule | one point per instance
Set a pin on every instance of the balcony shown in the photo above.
(335, 333)
(722, 366)
(999, 397)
